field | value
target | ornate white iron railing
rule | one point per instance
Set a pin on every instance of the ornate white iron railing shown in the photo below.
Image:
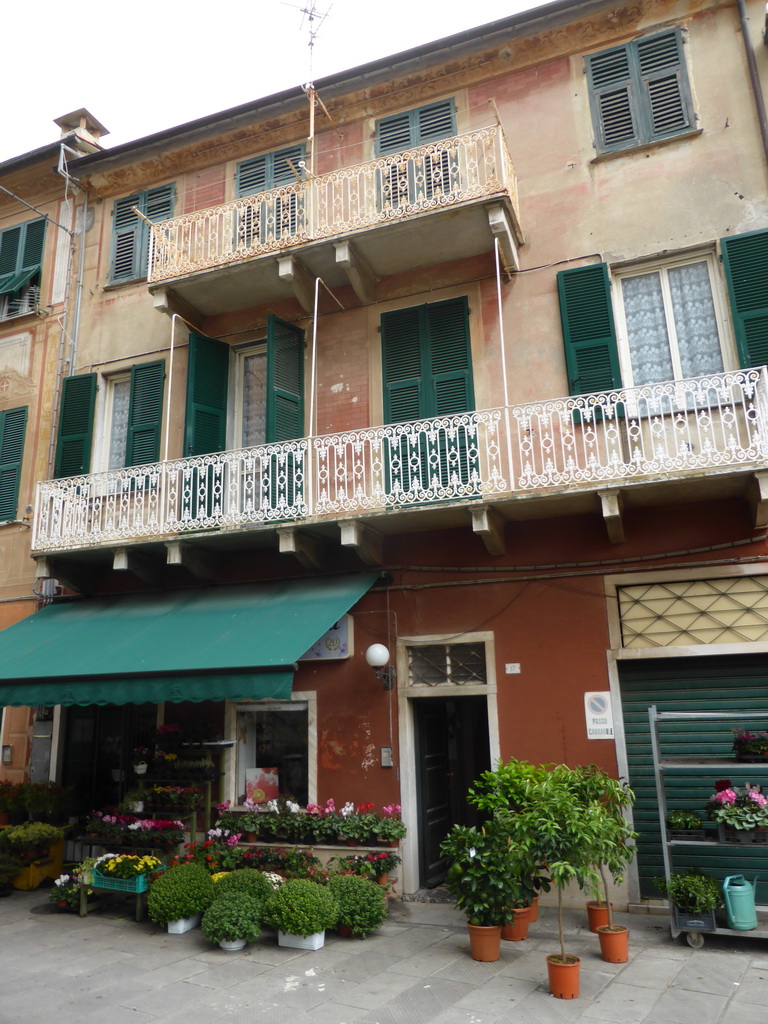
(609, 438)
(398, 186)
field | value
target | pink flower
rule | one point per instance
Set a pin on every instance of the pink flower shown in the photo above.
(725, 796)
(758, 798)
(234, 839)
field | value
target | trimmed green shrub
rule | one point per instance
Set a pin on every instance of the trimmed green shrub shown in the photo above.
(179, 892)
(301, 907)
(244, 880)
(362, 903)
(692, 891)
(233, 915)
(28, 836)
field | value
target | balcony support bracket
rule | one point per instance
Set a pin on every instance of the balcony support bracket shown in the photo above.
(79, 578)
(612, 508)
(147, 569)
(502, 228)
(489, 527)
(758, 499)
(299, 278)
(309, 551)
(166, 302)
(361, 277)
(366, 542)
(197, 562)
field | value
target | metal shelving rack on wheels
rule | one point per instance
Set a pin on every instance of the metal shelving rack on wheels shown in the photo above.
(663, 766)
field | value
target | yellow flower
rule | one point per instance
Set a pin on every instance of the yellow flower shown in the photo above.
(219, 875)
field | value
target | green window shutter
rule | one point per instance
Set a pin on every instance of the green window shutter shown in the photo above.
(130, 234)
(450, 357)
(126, 239)
(12, 426)
(639, 92)
(9, 250)
(285, 381)
(32, 248)
(402, 369)
(75, 434)
(415, 127)
(589, 334)
(665, 85)
(610, 85)
(745, 260)
(205, 428)
(145, 413)
(261, 173)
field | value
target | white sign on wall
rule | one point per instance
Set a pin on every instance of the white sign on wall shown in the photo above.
(599, 715)
(334, 645)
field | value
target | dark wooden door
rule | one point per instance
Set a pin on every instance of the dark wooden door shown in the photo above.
(451, 751)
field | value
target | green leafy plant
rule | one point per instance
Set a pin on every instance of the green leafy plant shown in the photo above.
(740, 807)
(179, 892)
(29, 836)
(362, 904)
(244, 880)
(301, 907)
(746, 742)
(683, 820)
(692, 891)
(369, 865)
(233, 915)
(9, 868)
(483, 874)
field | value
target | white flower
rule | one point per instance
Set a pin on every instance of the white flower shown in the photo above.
(214, 833)
(272, 806)
(292, 807)
(61, 880)
(347, 809)
(472, 852)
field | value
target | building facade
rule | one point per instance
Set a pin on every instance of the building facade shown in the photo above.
(461, 353)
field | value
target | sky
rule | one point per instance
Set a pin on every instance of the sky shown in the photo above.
(149, 65)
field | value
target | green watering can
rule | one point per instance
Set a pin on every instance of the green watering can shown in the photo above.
(740, 902)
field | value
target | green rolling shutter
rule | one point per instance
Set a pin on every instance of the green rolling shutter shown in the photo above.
(12, 427)
(75, 434)
(205, 427)
(745, 260)
(589, 333)
(145, 413)
(285, 381)
(738, 683)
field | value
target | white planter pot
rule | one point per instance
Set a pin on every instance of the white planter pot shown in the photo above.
(232, 945)
(183, 924)
(314, 941)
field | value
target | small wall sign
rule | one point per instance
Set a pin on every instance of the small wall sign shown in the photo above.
(599, 715)
(335, 645)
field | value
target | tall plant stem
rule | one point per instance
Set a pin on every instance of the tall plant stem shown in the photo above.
(604, 877)
(560, 920)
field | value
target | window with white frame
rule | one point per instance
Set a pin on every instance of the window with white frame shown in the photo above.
(273, 751)
(447, 664)
(249, 427)
(670, 322)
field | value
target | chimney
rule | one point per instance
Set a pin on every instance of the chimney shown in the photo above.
(81, 130)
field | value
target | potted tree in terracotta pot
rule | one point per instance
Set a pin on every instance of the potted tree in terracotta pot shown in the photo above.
(482, 880)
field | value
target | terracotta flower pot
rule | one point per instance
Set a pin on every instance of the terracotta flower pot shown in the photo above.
(484, 942)
(564, 977)
(534, 908)
(518, 929)
(614, 943)
(344, 930)
(597, 914)
(382, 879)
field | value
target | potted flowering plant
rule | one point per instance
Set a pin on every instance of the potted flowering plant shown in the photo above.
(232, 920)
(300, 911)
(741, 812)
(695, 897)
(389, 828)
(750, 746)
(358, 825)
(30, 840)
(66, 891)
(684, 825)
(369, 865)
(178, 897)
(362, 904)
(114, 870)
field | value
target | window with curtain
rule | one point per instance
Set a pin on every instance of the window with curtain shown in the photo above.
(670, 323)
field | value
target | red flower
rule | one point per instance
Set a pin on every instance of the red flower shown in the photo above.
(722, 784)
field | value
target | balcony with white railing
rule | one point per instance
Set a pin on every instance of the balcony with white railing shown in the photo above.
(464, 174)
(560, 452)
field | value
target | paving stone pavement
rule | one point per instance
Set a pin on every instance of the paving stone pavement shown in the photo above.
(107, 969)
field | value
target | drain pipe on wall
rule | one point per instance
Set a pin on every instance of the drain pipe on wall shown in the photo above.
(174, 318)
(754, 77)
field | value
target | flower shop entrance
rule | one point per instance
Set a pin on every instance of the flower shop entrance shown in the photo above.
(734, 683)
(452, 749)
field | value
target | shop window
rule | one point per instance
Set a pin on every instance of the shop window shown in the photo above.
(272, 751)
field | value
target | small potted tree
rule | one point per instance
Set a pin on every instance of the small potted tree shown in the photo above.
(695, 897)
(232, 920)
(300, 911)
(482, 879)
(179, 896)
(362, 904)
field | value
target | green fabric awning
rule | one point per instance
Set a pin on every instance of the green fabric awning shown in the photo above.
(210, 644)
(12, 282)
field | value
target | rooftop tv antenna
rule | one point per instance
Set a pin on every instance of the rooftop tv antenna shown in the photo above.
(314, 19)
